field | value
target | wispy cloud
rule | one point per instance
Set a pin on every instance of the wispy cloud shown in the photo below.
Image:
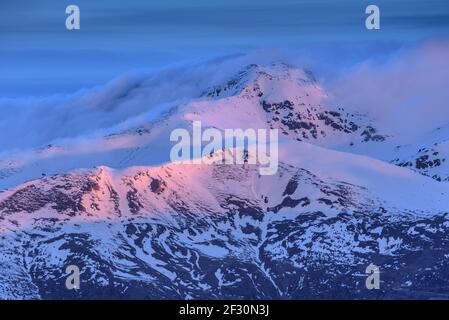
(125, 102)
(407, 93)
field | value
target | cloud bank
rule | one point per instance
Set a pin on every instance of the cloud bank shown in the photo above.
(407, 93)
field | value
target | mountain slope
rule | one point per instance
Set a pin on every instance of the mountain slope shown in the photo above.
(222, 231)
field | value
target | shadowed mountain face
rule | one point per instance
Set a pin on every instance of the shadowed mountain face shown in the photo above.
(190, 231)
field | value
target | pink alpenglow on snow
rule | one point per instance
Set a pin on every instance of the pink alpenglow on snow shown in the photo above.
(229, 148)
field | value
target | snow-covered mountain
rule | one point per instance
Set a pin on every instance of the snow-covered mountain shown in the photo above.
(345, 196)
(275, 96)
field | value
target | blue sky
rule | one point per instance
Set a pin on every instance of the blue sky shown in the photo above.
(38, 56)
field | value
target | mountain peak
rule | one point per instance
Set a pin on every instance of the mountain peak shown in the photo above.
(254, 78)
(280, 96)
